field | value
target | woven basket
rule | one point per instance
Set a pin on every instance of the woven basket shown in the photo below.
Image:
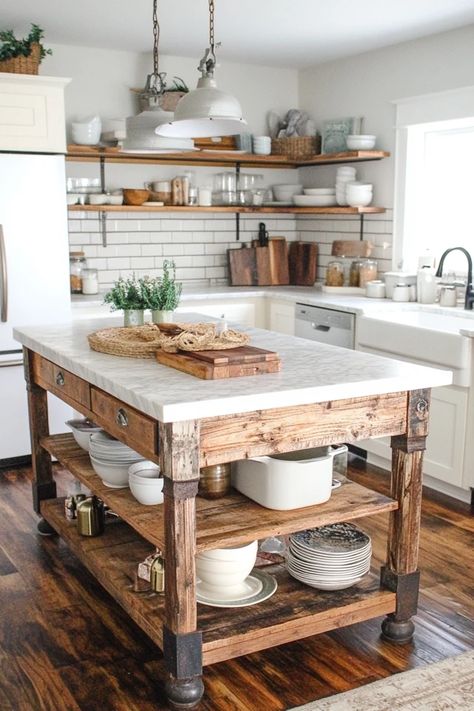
(23, 65)
(297, 147)
(144, 341)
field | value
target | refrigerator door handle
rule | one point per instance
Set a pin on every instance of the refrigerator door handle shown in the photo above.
(11, 363)
(4, 278)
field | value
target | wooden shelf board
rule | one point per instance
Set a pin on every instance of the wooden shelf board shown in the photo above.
(232, 520)
(294, 612)
(336, 210)
(218, 158)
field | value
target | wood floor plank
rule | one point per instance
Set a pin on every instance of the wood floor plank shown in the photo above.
(65, 645)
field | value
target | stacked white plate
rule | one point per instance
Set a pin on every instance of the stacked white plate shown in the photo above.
(316, 197)
(345, 174)
(329, 557)
(111, 459)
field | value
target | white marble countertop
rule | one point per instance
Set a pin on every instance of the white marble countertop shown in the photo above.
(311, 372)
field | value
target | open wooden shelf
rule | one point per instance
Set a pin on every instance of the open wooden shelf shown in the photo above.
(290, 209)
(218, 158)
(229, 521)
(294, 612)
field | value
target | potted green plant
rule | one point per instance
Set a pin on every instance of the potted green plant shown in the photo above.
(128, 295)
(22, 56)
(162, 294)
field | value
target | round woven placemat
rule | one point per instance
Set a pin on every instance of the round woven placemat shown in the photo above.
(144, 341)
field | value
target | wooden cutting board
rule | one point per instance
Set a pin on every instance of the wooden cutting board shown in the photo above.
(243, 266)
(278, 258)
(214, 365)
(302, 261)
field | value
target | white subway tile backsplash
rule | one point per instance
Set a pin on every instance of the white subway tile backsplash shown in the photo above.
(152, 250)
(142, 262)
(170, 250)
(118, 263)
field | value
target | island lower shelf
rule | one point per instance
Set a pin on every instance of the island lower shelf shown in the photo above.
(231, 520)
(294, 612)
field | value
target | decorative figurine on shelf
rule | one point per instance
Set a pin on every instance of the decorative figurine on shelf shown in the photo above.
(128, 295)
(162, 294)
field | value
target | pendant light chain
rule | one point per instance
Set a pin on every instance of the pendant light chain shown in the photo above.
(156, 38)
(211, 30)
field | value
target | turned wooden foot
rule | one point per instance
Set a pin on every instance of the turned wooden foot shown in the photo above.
(184, 693)
(397, 631)
(44, 529)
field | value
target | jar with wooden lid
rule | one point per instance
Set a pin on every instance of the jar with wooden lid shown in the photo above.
(214, 481)
(367, 271)
(77, 265)
(335, 273)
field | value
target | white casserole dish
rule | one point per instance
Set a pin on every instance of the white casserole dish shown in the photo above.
(287, 481)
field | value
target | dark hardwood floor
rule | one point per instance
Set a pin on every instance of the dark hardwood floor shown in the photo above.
(65, 645)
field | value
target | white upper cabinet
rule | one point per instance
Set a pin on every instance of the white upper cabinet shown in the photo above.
(32, 116)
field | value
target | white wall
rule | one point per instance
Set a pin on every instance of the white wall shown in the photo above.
(102, 79)
(365, 85)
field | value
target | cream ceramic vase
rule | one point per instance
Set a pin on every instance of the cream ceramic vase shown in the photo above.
(158, 316)
(133, 317)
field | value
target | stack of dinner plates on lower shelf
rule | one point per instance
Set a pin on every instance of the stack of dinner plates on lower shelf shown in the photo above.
(111, 459)
(330, 557)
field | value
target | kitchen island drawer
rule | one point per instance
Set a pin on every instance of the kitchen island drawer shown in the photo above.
(63, 383)
(124, 422)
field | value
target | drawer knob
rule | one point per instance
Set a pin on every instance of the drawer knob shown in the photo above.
(60, 378)
(121, 418)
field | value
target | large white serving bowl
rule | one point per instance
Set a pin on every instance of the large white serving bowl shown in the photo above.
(319, 191)
(223, 570)
(245, 552)
(314, 200)
(360, 142)
(148, 493)
(82, 431)
(114, 475)
(285, 192)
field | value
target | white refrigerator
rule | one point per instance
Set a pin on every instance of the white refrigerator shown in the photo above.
(34, 281)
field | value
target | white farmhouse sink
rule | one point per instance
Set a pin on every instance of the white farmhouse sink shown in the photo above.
(431, 338)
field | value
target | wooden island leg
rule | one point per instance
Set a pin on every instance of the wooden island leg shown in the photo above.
(182, 643)
(400, 574)
(43, 485)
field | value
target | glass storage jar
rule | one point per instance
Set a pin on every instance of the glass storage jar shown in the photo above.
(367, 271)
(354, 273)
(77, 264)
(335, 273)
(90, 281)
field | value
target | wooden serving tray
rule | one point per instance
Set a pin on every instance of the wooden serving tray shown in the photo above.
(230, 363)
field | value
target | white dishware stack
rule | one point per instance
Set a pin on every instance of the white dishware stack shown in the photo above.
(360, 142)
(111, 459)
(262, 145)
(285, 192)
(82, 431)
(345, 174)
(331, 557)
(359, 194)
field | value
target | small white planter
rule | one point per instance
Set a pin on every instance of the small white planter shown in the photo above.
(133, 317)
(158, 316)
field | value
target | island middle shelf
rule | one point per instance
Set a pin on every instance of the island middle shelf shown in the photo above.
(229, 521)
(294, 612)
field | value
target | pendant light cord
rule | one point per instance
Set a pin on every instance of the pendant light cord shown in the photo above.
(156, 38)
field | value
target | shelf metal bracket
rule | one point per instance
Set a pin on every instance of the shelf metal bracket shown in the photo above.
(102, 173)
(361, 228)
(103, 227)
(237, 214)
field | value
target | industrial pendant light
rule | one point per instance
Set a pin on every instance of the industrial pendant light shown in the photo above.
(207, 111)
(140, 130)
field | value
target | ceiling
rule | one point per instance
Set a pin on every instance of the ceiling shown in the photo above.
(288, 33)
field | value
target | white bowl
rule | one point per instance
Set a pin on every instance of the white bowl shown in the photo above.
(99, 199)
(286, 192)
(82, 431)
(86, 134)
(319, 191)
(245, 552)
(226, 575)
(72, 199)
(314, 200)
(145, 483)
(114, 199)
(360, 142)
(359, 201)
(115, 476)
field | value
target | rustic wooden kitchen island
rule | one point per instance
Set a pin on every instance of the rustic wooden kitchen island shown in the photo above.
(323, 395)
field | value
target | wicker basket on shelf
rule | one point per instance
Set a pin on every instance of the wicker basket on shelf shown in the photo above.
(297, 147)
(23, 65)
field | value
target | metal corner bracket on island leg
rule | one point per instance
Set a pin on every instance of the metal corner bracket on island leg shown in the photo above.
(401, 574)
(43, 486)
(182, 643)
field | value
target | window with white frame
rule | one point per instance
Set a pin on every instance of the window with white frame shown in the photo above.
(435, 182)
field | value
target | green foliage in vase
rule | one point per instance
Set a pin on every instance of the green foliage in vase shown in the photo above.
(12, 47)
(163, 293)
(127, 295)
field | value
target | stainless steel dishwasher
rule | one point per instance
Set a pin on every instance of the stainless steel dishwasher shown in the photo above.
(325, 325)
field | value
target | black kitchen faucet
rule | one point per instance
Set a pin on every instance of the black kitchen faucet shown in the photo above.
(469, 298)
